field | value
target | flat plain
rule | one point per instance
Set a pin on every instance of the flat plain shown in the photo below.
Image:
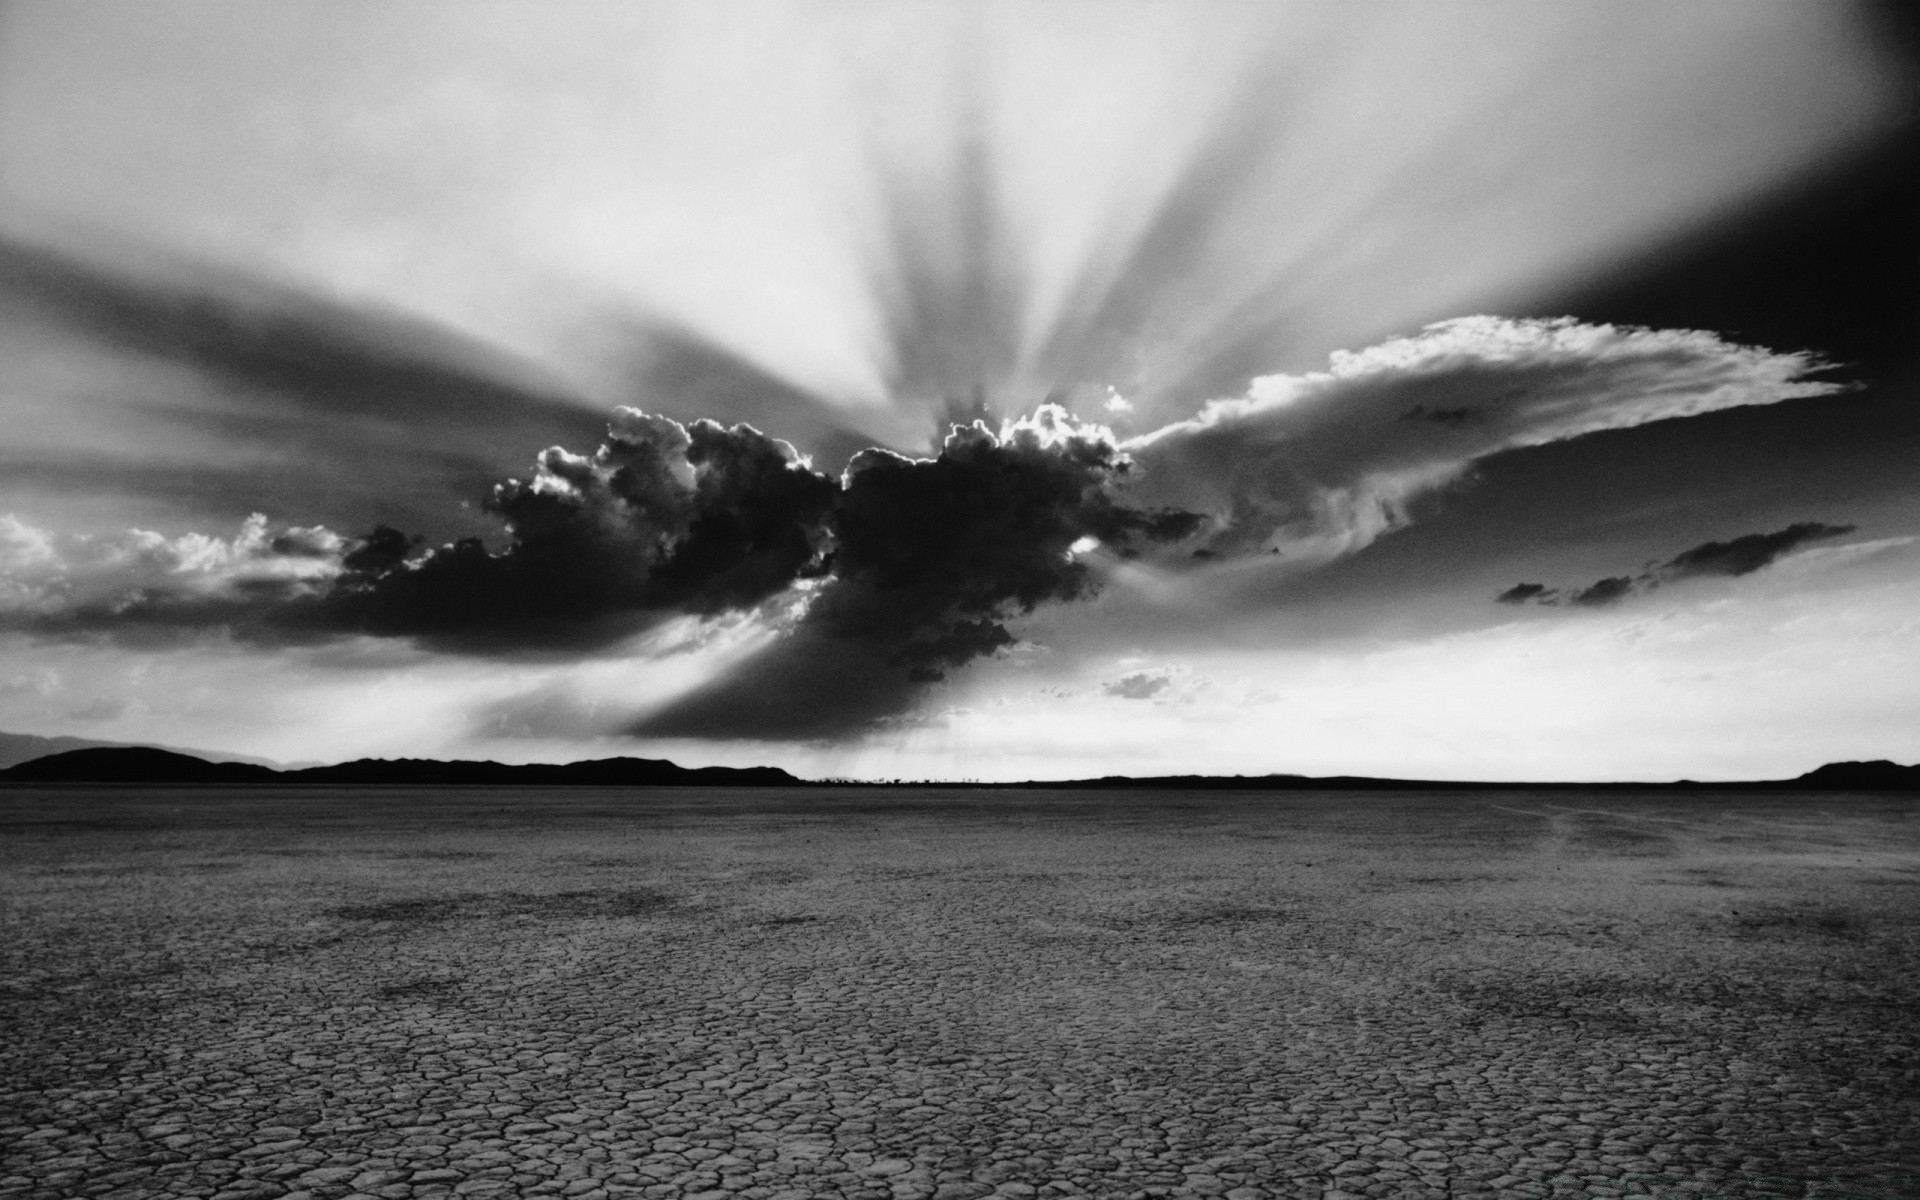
(241, 993)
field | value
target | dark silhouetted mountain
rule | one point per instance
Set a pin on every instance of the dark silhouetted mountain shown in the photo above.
(140, 764)
(17, 748)
(603, 772)
(1879, 775)
(1868, 776)
(133, 764)
(25, 747)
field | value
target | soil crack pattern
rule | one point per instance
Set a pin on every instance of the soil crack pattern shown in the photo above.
(934, 995)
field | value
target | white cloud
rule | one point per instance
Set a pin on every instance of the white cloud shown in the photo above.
(1320, 464)
(43, 573)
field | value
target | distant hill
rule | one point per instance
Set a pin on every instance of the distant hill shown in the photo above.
(1879, 775)
(134, 764)
(25, 747)
(144, 764)
(602, 772)
(1873, 776)
(139, 764)
(16, 748)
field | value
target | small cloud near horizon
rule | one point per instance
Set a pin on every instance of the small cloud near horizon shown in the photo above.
(1141, 685)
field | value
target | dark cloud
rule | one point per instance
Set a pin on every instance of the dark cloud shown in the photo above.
(1440, 416)
(758, 521)
(932, 555)
(1745, 555)
(661, 519)
(1737, 556)
(1603, 592)
(379, 552)
(931, 559)
(906, 568)
(1141, 685)
(1523, 593)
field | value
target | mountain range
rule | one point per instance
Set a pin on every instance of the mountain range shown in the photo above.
(151, 765)
(16, 748)
(145, 764)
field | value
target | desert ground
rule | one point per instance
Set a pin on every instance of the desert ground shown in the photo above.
(405, 993)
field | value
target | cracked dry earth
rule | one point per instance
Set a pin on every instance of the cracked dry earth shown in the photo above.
(892, 994)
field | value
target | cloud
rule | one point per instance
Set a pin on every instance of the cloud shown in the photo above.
(1738, 556)
(1141, 685)
(1603, 592)
(1745, 555)
(1522, 593)
(662, 519)
(142, 582)
(932, 555)
(931, 559)
(1322, 464)
(884, 579)
(902, 570)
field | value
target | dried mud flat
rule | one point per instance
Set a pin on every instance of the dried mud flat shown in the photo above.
(404, 993)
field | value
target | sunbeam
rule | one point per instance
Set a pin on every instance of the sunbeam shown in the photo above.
(907, 358)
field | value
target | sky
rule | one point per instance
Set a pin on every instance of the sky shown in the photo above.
(1490, 390)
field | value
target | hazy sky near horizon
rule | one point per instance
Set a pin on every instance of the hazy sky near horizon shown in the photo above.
(1493, 390)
